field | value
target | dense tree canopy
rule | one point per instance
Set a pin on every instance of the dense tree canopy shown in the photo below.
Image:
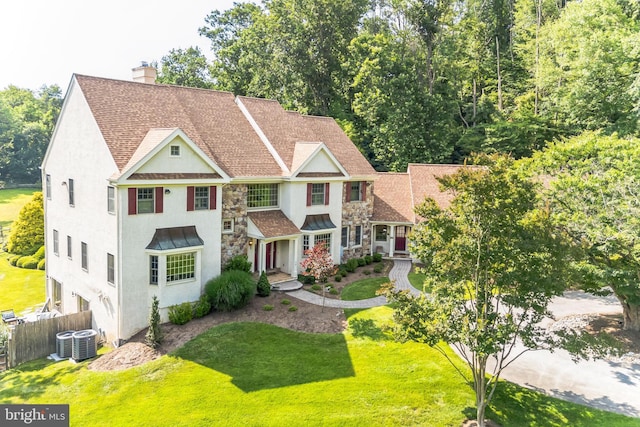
(27, 120)
(432, 80)
(594, 192)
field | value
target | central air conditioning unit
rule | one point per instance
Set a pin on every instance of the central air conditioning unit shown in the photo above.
(84, 345)
(63, 344)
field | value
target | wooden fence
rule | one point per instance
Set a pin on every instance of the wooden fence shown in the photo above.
(33, 340)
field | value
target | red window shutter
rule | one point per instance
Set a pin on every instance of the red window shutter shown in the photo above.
(309, 189)
(347, 192)
(133, 201)
(326, 193)
(213, 196)
(191, 197)
(363, 189)
(159, 199)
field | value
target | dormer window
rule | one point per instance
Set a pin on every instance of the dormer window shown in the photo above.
(175, 151)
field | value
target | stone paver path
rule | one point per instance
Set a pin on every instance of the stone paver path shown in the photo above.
(398, 273)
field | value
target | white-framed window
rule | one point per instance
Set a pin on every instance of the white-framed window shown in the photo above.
(111, 269)
(323, 238)
(305, 244)
(358, 240)
(111, 199)
(262, 195)
(201, 198)
(344, 237)
(175, 151)
(381, 233)
(84, 259)
(71, 192)
(146, 203)
(181, 267)
(56, 243)
(153, 269)
(48, 186)
(318, 194)
(227, 225)
(69, 248)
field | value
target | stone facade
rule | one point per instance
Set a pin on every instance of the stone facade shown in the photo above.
(234, 206)
(358, 213)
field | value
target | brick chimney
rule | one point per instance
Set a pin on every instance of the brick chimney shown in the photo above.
(144, 74)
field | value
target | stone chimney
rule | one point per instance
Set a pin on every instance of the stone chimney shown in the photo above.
(144, 74)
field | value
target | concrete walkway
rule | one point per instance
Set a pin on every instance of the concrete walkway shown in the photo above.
(607, 385)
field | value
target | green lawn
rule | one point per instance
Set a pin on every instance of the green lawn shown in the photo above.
(417, 280)
(11, 201)
(19, 288)
(363, 289)
(253, 374)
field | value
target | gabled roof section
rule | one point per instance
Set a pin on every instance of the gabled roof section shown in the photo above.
(127, 111)
(283, 129)
(393, 201)
(305, 154)
(273, 224)
(157, 139)
(397, 194)
(424, 182)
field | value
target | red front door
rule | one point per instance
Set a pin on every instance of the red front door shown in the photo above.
(270, 255)
(401, 238)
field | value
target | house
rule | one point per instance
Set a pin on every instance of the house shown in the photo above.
(151, 189)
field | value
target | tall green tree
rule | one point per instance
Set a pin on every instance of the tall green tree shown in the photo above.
(493, 265)
(594, 192)
(588, 62)
(185, 67)
(27, 120)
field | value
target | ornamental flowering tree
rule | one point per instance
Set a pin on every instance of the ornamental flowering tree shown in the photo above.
(318, 264)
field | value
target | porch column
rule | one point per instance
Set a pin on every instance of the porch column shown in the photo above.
(294, 259)
(262, 250)
(392, 239)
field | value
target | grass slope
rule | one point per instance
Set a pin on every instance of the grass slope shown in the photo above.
(11, 201)
(19, 288)
(260, 375)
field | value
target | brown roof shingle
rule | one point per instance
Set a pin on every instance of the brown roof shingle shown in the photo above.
(126, 111)
(273, 223)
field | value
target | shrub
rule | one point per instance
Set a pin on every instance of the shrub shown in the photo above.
(267, 307)
(316, 287)
(27, 232)
(352, 264)
(153, 336)
(180, 314)
(202, 307)
(231, 290)
(378, 268)
(333, 291)
(13, 260)
(343, 271)
(264, 287)
(377, 257)
(306, 280)
(285, 302)
(41, 264)
(366, 272)
(293, 308)
(338, 277)
(238, 263)
(368, 259)
(28, 262)
(39, 253)
(361, 262)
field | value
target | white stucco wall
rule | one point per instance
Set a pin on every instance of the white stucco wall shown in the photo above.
(77, 143)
